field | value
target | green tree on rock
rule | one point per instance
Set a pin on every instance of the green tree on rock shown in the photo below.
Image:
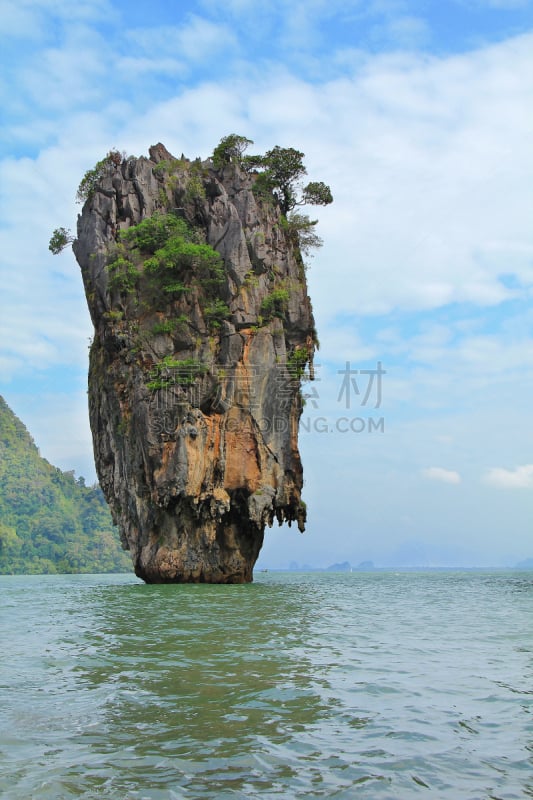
(60, 239)
(282, 170)
(230, 150)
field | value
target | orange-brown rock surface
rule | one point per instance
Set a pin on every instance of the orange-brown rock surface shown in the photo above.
(194, 384)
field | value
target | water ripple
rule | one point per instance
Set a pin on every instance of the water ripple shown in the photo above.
(379, 685)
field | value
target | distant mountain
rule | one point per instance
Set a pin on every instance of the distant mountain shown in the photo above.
(344, 567)
(49, 521)
(364, 566)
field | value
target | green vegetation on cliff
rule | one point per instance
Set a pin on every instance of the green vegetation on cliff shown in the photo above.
(157, 254)
(49, 521)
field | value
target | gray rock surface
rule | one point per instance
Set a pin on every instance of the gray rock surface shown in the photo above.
(194, 468)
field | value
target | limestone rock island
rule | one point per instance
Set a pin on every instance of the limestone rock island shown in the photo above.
(203, 330)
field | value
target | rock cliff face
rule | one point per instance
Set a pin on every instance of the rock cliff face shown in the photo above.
(203, 329)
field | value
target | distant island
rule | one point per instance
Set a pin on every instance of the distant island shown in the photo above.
(369, 566)
(344, 566)
(50, 522)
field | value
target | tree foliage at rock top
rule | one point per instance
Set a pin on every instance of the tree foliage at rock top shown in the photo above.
(49, 521)
(281, 172)
(203, 332)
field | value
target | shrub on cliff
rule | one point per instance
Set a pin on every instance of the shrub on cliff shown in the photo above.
(175, 248)
(165, 247)
(302, 228)
(93, 176)
(61, 238)
(153, 233)
(275, 304)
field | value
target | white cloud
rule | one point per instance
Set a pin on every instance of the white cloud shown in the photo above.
(72, 75)
(195, 40)
(19, 21)
(27, 19)
(442, 475)
(132, 68)
(41, 295)
(402, 32)
(518, 478)
(423, 178)
(343, 343)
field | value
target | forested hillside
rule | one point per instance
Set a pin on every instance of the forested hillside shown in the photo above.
(49, 521)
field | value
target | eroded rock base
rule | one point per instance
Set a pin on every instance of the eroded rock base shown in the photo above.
(214, 554)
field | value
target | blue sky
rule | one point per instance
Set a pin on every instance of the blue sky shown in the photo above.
(419, 116)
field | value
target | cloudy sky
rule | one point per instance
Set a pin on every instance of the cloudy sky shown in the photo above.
(419, 115)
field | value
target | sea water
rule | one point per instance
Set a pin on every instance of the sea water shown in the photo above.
(363, 685)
